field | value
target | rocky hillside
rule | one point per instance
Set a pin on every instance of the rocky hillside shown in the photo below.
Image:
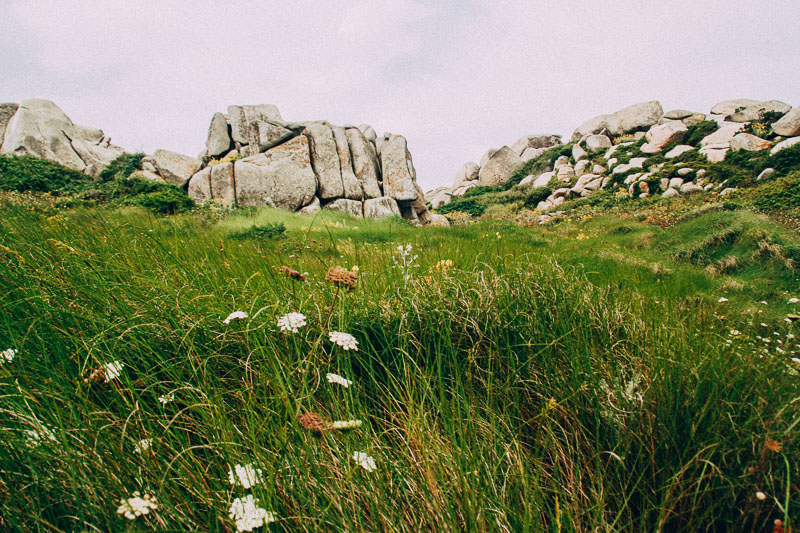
(252, 158)
(640, 150)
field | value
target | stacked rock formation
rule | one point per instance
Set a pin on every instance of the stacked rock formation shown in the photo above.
(40, 128)
(255, 158)
(584, 171)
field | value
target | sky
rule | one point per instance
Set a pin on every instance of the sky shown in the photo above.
(454, 77)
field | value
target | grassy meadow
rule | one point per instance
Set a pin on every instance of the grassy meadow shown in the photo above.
(595, 374)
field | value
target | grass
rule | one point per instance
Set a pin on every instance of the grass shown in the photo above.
(579, 376)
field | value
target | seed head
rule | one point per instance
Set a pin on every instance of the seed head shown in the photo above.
(342, 277)
(291, 273)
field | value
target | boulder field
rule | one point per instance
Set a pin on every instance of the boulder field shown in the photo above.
(644, 127)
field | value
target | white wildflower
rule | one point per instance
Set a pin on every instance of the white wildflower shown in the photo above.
(365, 461)
(236, 315)
(167, 398)
(339, 380)
(248, 515)
(735, 332)
(793, 300)
(6, 356)
(137, 505)
(346, 424)
(246, 475)
(722, 300)
(790, 336)
(345, 340)
(143, 446)
(761, 496)
(112, 370)
(292, 322)
(788, 320)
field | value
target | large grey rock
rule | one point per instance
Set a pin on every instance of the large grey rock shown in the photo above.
(561, 161)
(352, 187)
(200, 186)
(369, 133)
(766, 174)
(464, 188)
(311, 208)
(365, 163)
(175, 168)
(677, 114)
(635, 117)
(691, 187)
(244, 120)
(7, 111)
(398, 169)
(40, 128)
(715, 153)
(282, 176)
(147, 175)
(325, 160)
(487, 156)
(543, 180)
(582, 167)
(723, 135)
(345, 205)
(535, 142)
(756, 111)
(678, 150)
(696, 118)
(596, 125)
(729, 107)
(669, 193)
(595, 143)
(438, 197)
(784, 144)
(266, 135)
(468, 172)
(499, 168)
(381, 207)
(439, 221)
(223, 185)
(531, 153)
(578, 153)
(658, 137)
(789, 124)
(219, 138)
(748, 142)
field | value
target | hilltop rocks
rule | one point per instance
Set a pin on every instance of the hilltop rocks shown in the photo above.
(729, 107)
(757, 111)
(351, 207)
(40, 128)
(595, 143)
(469, 172)
(398, 171)
(175, 168)
(635, 118)
(658, 137)
(219, 136)
(365, 162)
(499, 167)
(381, 207)
(789, 124)
(748, 142)
(784, 144)
(531, 146)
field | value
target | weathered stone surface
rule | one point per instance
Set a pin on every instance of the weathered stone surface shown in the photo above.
(658, 137)
(408, 213)
(784, 144)
(728, 107)
(439, 221)
(219, 138)
(531, 153)
(175, 168)
(594, 143)
(311, 208)
(365, 163)
(691, 187)
(542, 180)
(283, 175)
(468, 172)
(748, 142)
(578, 153)
(266, 135)
(369, 133)
(499, 168)
(200, 186)
(438, 197)
(694, 119)
(244, 120)
(7, 111)
(598, 124)
(723, 135)
(352, 187)
(561, 161)
(678, 150)
(756, 111)
(669, 193)
(325, 160)
(789, 124)
(677, 114)
(464, 188)
(582, 167)
(398, 169)
(635, 117)
(714, 153)
(223, 186)
(535, 142)
(418, 204)
(766, 174)
(147, 176)
(685, 171)
(351, 207)
(487, 156)
(565, 173)
(40, 128)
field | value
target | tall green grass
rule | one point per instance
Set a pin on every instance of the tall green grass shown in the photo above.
(582, 377)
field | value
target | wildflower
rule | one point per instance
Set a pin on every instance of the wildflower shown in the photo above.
(246, 475)
(761, 496)
(355, 269)
(236, 315)
(291, 273)
(345, 340)
(342, 278)
(248, 515)
(339, 380)
(313, 422)
(166, 398)
(365, 461)
(498, 235)
(722, 300)
(790, 336)
(143, 445)
(773, 446)
(346, 424)
(793, 300)
(6, 356)
(112, 371)
(292, 322)
(137, 505)
(443, 265)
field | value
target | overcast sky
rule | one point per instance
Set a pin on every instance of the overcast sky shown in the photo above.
(454, 77)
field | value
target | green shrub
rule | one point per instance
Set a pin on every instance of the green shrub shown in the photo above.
(166, 201)
(698, 131)
(785, 161)
(27, 173)
(470, 206)
(481, 189)
(537, 195)
(122, 167)
(780, 193)
(265, 232)
(538, 164)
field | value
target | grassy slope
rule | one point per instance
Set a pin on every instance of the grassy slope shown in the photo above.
(581, 376)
